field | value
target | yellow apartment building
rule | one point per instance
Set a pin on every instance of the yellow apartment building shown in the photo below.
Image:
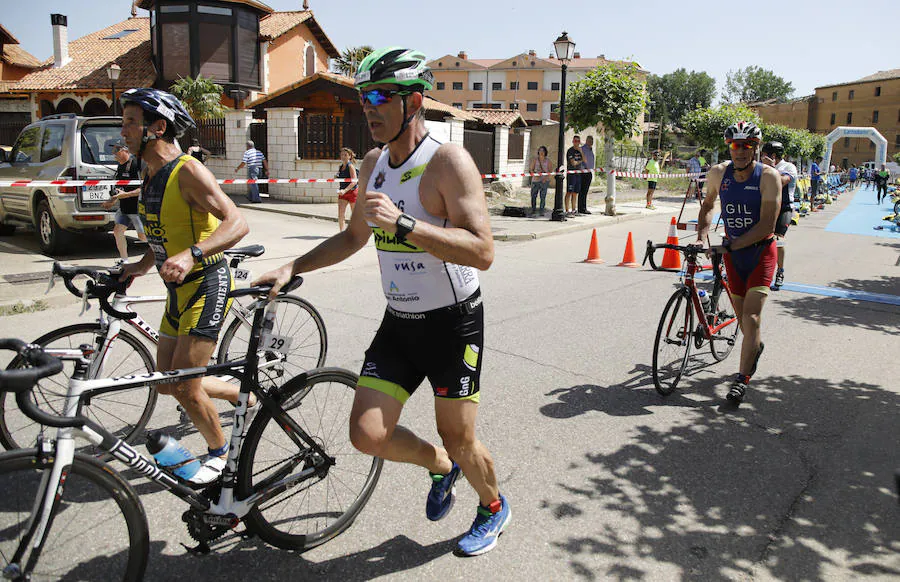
(526, 82)
(873, 101)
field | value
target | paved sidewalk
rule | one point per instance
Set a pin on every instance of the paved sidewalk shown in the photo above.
(504, 227)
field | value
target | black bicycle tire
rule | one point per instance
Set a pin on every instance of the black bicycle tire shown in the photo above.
(714, 308)
(6, 438)
(255, 521)
(678, 296)
(117, 488)
(234, 325)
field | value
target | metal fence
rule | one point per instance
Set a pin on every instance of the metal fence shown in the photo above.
(9, 130)
(321, 137)
(210, 132)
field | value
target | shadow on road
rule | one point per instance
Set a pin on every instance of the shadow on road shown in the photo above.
(798, 480)
(831, 311)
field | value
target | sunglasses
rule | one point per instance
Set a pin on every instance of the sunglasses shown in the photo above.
(741, 145)
(376, 97)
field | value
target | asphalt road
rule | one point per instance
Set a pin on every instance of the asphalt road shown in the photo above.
(605, 478)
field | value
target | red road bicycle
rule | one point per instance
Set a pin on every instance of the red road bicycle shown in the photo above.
(678, 333)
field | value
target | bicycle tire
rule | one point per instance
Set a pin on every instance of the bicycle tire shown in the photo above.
(308, 347)
(85, 540)
(667, 370)
(721, 344)
(124, 417)
(327, 395)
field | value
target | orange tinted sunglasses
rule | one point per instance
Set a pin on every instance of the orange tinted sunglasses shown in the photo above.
(737, 145)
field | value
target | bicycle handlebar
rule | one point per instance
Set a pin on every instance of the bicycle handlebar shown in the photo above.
(102, 282)
(23, 379)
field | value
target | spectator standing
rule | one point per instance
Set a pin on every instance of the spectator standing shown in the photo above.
(127, 214)
(652, 167)
(694, 168)
(852, 175)
(199, 152)
(540, 165)
(255, 162)
(587, 155)
(349, 189)
(815, 174)
(574, 161)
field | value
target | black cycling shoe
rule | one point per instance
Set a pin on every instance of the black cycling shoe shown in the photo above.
(737, 391)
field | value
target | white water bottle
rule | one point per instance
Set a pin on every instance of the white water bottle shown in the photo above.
(704, 300)
(171, 455)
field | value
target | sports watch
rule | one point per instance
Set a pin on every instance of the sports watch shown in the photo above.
(405, 225)
(196, 253)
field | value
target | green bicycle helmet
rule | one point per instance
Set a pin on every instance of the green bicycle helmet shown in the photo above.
(396, 66)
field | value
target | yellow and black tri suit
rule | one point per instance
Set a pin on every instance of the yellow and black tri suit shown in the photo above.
(197, 306)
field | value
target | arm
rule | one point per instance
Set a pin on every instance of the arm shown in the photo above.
(200, 190)
(266, 165)
(139, 268)
(241, 165)
(714, 178)
(451, 187)
(335, 249)
(770, 189)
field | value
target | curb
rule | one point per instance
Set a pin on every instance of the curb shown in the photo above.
(287, 212)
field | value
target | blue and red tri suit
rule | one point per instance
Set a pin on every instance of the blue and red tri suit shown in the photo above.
(751, 267)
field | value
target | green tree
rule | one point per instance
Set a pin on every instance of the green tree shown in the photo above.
(612, 95)
(754, 83)
(897, 157)
(350, 59)
(201, 97)
(708, 125)
(679, 92)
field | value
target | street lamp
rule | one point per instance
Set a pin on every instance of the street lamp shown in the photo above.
(113, 73)
(565, 50)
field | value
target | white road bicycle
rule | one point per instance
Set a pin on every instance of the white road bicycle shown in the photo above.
(292, 476)
(297, 343)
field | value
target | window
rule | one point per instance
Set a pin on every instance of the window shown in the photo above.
(849, 118)
(172, 9)
(533, 107)
(832, 118)
(51, 145)
(496, 86)
(176, 44)
(897, 141)
(457, 86)
(440, 86)
(477, 86)
(120, 34)
(214, 10)
(871, 145)
(532, 86)
(875, 116)
(215, 50)
(834, 95)
(554, 86)
(852, 92)
(513, 85)
(878, 91)
(458, 105)
(310, 64)
(26, 148)
(846, 142)
(248, 48)
(845, 162)
(496, 105)
(554, 108)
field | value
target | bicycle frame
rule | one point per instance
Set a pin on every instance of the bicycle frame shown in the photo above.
(719, 283)
(113, 325)
(72, 424)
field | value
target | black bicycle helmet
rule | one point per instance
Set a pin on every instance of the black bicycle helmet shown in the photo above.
(162, 104)
(773, 147)
(743, 130)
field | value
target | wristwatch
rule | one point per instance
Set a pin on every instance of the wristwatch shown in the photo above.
(405, 225)
(726, 244)
(196, 253)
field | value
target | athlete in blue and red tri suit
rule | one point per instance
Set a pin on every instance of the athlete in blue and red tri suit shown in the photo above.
(750, 194)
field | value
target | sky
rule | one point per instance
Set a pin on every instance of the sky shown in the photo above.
(809, 43)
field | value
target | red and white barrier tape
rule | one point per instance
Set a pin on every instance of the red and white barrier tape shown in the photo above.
(41, 183)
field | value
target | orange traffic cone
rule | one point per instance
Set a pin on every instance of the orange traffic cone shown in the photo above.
(594, 251)
(672, 258)
(628, 260)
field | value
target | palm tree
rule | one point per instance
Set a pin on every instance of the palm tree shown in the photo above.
(350, 59)
(201, 97)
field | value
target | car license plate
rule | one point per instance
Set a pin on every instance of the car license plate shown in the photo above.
(95, 193)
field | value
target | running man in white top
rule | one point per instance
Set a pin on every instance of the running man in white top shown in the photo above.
(424, 203)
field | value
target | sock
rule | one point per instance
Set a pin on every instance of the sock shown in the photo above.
(218, 452)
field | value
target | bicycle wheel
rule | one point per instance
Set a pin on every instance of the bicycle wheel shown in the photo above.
(323, 506)
(296, 319)
(98, 529)
(721, 343)
(673, 342)
(124, 413)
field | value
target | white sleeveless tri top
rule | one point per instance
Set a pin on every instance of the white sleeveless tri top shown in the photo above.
(415, 281)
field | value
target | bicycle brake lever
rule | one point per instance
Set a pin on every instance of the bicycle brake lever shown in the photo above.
(50, 282)
(85, 306)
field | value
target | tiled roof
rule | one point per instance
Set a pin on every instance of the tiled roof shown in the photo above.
(149, 4)
(435, 105)
(507, 117)
(486, 63)
(879, 76)
(278, 23)
(92, 54)
(16, 56)
(6, 36)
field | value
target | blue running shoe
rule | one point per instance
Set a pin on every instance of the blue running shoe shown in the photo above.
(442, 494)
(485, 530)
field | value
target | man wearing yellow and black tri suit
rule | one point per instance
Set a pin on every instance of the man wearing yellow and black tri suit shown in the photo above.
(189, 221)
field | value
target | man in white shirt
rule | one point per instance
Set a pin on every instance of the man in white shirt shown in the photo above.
(773, 155)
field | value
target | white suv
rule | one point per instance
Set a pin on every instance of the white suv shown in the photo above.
(59, 147)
